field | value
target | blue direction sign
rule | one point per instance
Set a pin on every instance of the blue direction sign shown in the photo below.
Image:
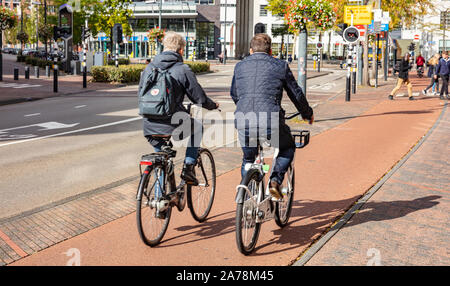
(384, 27)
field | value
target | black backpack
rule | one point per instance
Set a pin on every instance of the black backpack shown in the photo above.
(157, 95)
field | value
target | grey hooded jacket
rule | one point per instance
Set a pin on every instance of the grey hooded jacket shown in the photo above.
(188, 84)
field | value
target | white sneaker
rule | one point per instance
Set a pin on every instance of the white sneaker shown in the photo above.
(424, 92)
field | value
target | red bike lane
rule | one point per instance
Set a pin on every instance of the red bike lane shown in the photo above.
(337, 168)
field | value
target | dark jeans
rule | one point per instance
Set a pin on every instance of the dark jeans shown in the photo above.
(444, 88)
(282, 161)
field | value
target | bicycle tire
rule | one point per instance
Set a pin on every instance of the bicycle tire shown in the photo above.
(198, 214)
(143, 198)
(280, 219)
(253, 175)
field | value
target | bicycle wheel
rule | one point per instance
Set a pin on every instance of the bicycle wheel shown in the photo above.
(200, 198)
(153, 214)
(283, 208)
(247, 229)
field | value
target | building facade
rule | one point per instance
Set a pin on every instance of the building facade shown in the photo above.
(198, 21)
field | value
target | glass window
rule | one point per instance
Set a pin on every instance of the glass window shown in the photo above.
(262, 10)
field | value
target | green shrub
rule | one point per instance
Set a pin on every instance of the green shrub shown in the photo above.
(198, 67)
(132, 73)
(122, 61)
(20, 58)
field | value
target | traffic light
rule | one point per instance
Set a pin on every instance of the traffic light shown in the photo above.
(85, 33)
(117, 33)
(319, 45)
(412, 47)
(342, 26)
(56, 33)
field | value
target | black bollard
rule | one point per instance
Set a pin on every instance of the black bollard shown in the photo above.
(27, 72)
(16, 73)
(36, 72)
(55, 78)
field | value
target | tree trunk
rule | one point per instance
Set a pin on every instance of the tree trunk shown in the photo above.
(366, 78)
(374, 58)
(302, 59)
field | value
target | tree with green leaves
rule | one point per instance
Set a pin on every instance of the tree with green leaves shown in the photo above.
(101, 16)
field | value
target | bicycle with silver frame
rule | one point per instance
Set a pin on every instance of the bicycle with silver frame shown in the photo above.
(255, 205)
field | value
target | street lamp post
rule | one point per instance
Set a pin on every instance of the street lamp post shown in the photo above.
(37, 23)
(225, 36)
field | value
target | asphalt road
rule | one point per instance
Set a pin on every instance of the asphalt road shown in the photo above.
(59, 147)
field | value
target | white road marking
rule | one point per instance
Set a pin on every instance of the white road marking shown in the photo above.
(19, 85)
(68, 132)
(80, 106)
(33, 114)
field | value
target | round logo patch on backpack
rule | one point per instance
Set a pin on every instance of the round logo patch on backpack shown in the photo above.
(154, 92)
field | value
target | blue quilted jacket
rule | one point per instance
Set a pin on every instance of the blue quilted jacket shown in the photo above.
(258, 84)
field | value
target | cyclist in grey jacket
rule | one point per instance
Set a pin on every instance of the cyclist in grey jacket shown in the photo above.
(155, 130)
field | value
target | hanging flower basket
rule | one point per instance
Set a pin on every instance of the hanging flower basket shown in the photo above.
(22, 37)
(302, 14)
(156, 34)
(7, 18)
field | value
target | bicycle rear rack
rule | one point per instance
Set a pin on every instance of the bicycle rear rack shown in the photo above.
(301, 138)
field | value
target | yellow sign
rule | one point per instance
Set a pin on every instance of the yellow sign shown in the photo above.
(362, 15)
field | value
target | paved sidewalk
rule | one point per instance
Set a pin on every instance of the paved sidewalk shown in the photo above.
(357, 142)
(407, 221)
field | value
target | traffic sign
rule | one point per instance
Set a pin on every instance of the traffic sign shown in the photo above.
(351, 35)
(362, 30)
(319, 45)
(416, 38)
(362, 14)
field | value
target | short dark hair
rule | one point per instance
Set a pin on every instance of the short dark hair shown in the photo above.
(261, 43)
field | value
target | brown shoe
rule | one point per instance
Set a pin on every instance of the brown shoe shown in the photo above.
(274, 190)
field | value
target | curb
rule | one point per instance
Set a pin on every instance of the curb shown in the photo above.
(338, 224)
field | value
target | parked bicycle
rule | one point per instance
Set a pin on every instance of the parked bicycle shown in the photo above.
(158, 194)
(254, 203)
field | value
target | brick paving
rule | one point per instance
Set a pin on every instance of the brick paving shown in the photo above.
(407, 221)
(55, 223)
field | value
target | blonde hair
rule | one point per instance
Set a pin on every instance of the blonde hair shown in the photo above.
(434, 60)
(173, 42)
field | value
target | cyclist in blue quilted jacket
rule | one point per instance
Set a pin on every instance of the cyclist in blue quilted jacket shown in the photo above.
(257, 90)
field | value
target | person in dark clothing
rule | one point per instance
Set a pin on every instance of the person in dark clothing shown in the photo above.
(434, 84)
(157, 130)
(403, 78)
(443, 71)
(257, 90)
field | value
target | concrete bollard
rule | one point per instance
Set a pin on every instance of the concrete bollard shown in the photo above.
(36, 72)
(16, 73)
(47, 71)
(27, 72)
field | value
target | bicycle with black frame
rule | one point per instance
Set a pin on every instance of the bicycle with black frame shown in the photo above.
(158, 193)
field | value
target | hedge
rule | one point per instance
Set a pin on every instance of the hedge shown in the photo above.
(132, 73)
(33, 61)
(122, 61)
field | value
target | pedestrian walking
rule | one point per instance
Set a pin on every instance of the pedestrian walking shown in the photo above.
(443, 71)
(403, 77)
(434, 84)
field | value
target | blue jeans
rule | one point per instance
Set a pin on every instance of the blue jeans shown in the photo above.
(191, 151)
(284, 142)
(281, 164)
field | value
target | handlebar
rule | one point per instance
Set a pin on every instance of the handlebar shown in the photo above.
(289, 117)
